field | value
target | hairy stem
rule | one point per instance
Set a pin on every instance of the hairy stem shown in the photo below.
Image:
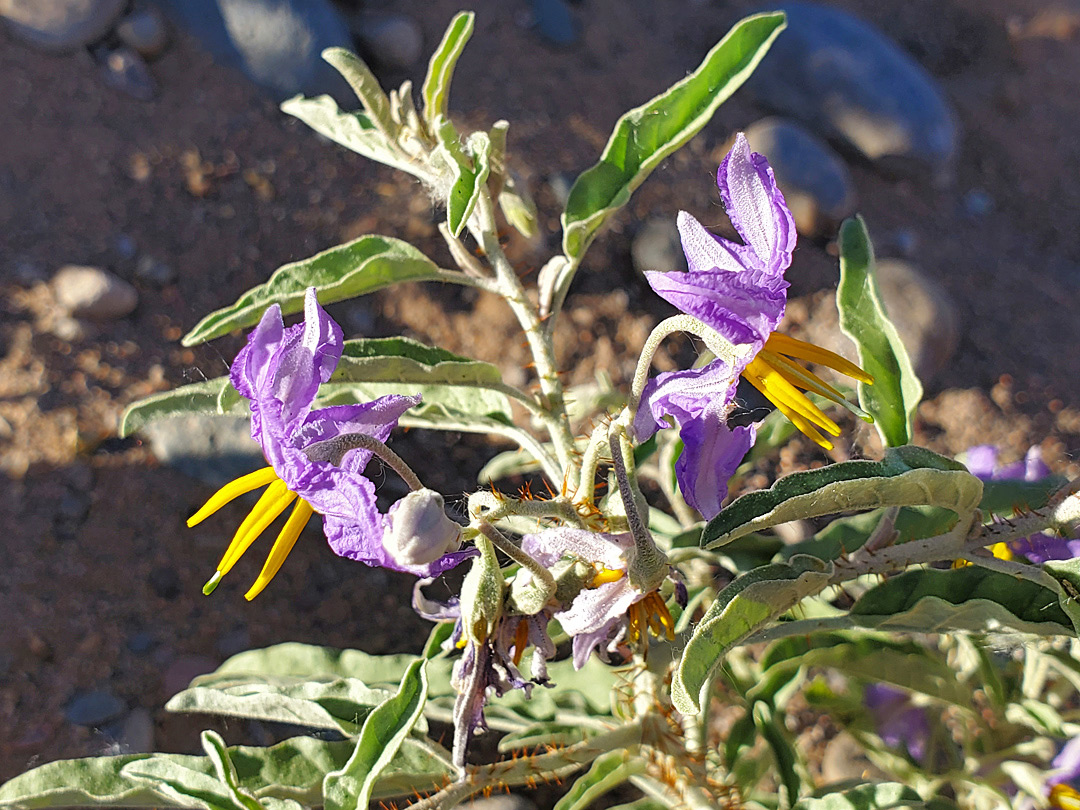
(334, 450)
(491, 507)
(648, 567)
(514, 552)
(590, 461)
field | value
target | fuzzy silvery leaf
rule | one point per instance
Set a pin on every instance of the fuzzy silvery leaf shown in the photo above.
(366, 87)
(436, 88)
(646, 135)
(340, 705)
(896, 391)
(355, 268)
(906, 476)
(468, 167)
(745, 605)
(215, 397)
(383, 733)
(606, 773)
(871, 796)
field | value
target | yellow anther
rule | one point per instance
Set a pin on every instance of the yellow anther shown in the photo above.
(231, 491)
(301, 514)
(1063, 797)
(1001, 551)
(778, 390)
(783, 344)
(606, 575)
(270, 505)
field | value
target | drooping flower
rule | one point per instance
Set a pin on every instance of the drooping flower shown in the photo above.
(740, 292)
(279, 371)
(982, 462)
(609, 611)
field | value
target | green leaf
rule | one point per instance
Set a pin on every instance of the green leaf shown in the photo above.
(366, 87)
(871, 796)
(218, 754)
(436, 88)
(216, 396)
(643, 137)
(847, 534)
(353, 130)
(907, 476)
(607, 772)
(384, 731)
(771, 725)
(355, 268)
(405, 361)
(1003, 496)
(968, 599)
(96, 782)
(340, 704)
(745, 605)
(1067, 575)
(469, 167)
(896, 391)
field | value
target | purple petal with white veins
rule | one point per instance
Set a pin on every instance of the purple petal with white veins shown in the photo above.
(585, 643)
(594, 607)
(254, 365)
(756, 206)
(706, 252)
(1067, 763)
(745, 307)
(712, 453)
(360, 538)
(685, 395)
(551, 545)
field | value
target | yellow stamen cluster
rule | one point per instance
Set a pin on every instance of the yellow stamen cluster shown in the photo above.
(273, 502)
(650, 613)
(783, 381)
(1063, 797)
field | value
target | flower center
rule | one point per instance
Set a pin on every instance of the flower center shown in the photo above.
(1064, 797)
(650, 613)
(272, 503)
(779, 378)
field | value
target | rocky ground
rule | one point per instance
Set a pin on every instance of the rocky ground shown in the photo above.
(192, 197)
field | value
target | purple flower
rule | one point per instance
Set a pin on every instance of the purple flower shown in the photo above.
(279, 372)
(610, 610)
(982, 462)
(899, 723)
(739, 291)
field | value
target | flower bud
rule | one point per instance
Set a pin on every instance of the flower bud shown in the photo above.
(419, 532)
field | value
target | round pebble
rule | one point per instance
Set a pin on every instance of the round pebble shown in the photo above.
(394, 42)
(94, 708)
(144, 30)
(90, 292)
(60, 25)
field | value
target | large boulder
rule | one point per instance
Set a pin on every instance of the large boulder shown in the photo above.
(61, 25)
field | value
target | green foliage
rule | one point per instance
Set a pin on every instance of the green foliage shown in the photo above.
(872, 796)
(469, 168)
(346, 271)
(436, 87)
(608, 771)
(383, 733)
(216, 397)
(906, 476)
(896, 391)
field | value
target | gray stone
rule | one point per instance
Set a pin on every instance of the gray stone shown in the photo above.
(924, 314)
(816, 183)
(94, 708)
(211, 449)
(136, 733)
(123, 69)
(61, 25)
(90, 292)
(145, 30)
(276, 43)
(847, 80)
(392, 41)
(656, 246)
(555, 22)
(154, 272)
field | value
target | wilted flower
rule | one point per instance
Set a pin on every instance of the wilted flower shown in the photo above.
(740, 292)
(279, 371)
(610, 611)
(982, 462)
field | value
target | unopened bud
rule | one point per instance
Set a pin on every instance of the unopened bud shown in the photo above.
(419, 532)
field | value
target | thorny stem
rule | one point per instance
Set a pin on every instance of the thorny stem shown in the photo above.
(514, 552)
(334, 450)
(717, 344)
(482, 226)
(491, 507)
(648, 567)
(531, 770)
(590, 460)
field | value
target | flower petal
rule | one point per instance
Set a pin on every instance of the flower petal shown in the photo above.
(551, 545)
(684, 395)
(756, 206)
(712, 453)
(595, 607)
(360, 539)
(706, 252)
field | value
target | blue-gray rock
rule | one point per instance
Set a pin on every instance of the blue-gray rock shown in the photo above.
(391, 41)
(141, 642)
(276, 43)
(145, 30)
(555, 22)
(211, 449)
(847, 80)
(657, 247)
(154, 272)
(61, 25)
(815, 181)
(123, 69)
(94, 708)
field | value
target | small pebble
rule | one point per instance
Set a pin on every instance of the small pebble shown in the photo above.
(144, 30)
(90, 292)
(94, 708)
(136, 733)
(657, 247)
(393, 42)
(141, 642)
(152, 271)
(554, 22)
(977, 203)
(123, 69)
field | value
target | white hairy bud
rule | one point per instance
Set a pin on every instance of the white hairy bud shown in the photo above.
(419, 532)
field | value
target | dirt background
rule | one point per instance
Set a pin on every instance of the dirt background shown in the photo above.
(100, 581)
